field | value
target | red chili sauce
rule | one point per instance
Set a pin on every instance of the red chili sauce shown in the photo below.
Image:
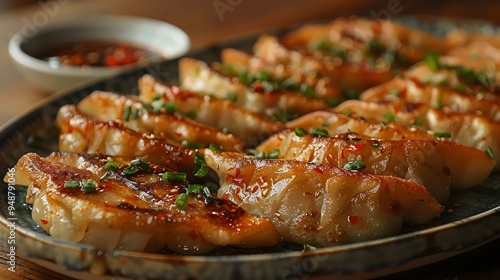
(97, 53)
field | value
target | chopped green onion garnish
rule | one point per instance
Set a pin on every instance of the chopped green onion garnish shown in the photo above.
(466, 74)
(173, 177)
(202, 170)
(375, 144)
(225, 130)
(376, 46)
(443, 83)
(137, 161)
(182, 200)
(329, 49)
(308, 248)
(246, 78)
(351, 94)
(142, 164)
(460, 87)
(215, 148)
(307, 90)
(147, 107)
(489, 152)
(355, 165)
(484, 79)
(319, 132)
(280, 116)
(192, 145)
(135, 113)
(442, 135)
(324, 45)
(332, 102)
(470, 76)
(207, 193)
(89, 186)
(256, 153)
(72, 184)
(347, 112)
(157, 105)
(230, 69)
(231, 96)
(111, 165)
(126, 113)
(104, 176)
(170, 107)
(290, 83)
(388, 117)
(190, 114)
(432, 60)
(199, 158)
(270, 86)
(272, 155)
(263, 76)
(131, 169)
(194, 188)
(299, 131)
(417, 122)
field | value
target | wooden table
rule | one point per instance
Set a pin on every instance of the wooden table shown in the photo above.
(205, 25)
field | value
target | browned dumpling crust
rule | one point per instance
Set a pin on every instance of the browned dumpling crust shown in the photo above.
(77, 197)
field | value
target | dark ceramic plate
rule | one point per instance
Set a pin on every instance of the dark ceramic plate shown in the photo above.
(471, 217)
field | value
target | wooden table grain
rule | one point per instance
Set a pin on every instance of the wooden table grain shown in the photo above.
(206, 25)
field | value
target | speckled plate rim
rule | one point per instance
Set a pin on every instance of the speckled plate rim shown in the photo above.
(404, 262)
(482, 221)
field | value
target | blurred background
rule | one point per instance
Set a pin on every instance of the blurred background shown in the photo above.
(206, 22)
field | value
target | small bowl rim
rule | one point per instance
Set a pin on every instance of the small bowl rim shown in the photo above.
(17, 54)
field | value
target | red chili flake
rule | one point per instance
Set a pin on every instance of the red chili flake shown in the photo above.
(238, 172)
(105, 187)
(257, 86)
(318, 169)
(193, 234)
(255, 188)
(229, 178)
(225, 196)
(353, 219)
(278, 215)
(129, 59)
(342, 154)
(161, 216)
(237, 191)
(308, 193)
(111, 61)
(238, 181)
(44, 221)
(354, 147)
(70, 129)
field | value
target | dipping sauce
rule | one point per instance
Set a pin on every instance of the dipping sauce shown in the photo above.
(98, 53)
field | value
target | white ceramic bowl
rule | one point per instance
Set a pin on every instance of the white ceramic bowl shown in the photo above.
(163, 38)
